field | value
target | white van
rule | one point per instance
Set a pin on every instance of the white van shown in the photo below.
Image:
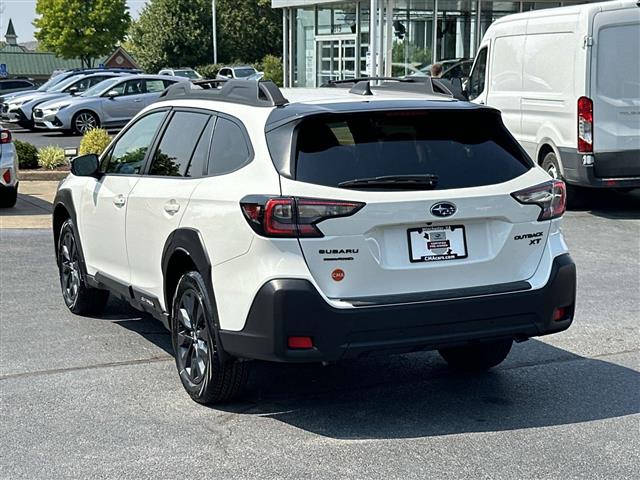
(567, 81)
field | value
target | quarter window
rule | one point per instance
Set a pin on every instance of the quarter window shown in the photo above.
(173, 156)
(155, 86)
(127, 155)
(229, 150)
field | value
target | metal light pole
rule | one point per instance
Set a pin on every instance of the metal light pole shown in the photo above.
(214, 29)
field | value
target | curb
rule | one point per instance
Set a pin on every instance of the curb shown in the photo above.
(39, 175)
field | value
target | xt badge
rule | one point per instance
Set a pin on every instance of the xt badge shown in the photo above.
(534, 238)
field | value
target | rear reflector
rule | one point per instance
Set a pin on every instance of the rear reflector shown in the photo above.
(585, 125)
(300, 342)
(6, 176)
(561, 313)
(550, 196)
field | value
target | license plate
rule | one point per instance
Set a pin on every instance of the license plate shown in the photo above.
(433, 244)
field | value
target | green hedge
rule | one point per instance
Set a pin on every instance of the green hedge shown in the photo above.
(27, 154)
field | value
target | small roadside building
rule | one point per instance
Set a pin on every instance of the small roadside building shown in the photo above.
(38, 66)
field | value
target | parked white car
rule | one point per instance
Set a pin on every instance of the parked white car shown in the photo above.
(325, 226)
(8, 170)
(567, 81)
(244, 72)
(111, 103)
(189, 73)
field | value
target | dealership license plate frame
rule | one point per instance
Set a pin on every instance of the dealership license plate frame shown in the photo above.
(456, 255)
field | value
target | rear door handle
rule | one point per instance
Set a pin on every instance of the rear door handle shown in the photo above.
(171, 207)
(119, 201)
(138, 100)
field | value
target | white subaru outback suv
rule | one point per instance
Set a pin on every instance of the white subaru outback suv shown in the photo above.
(331, 225)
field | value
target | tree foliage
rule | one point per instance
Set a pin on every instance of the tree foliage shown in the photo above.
(176, 33)
(172, 33)
(248, 30)
(84, 29)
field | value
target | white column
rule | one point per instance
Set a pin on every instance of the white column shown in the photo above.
(389, 39)
(214, 31)
(434, 41)
(285, 48)
(373, 12)
(290, 45)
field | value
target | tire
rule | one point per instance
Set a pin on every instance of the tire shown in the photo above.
(84, 121)
(8, 197)
(477, 358)
(576, 196)
(204, 376)
(27, 125)
(77, 295)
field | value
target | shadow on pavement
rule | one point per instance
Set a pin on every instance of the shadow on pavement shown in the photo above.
(613, 204)
(417, 395)
(27, 205)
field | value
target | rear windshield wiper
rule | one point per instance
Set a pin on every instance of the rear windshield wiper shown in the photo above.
(400, 182)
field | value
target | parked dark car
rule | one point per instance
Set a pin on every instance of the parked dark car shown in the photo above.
(12, 85)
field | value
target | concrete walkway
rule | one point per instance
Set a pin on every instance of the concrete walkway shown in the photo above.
(34, 206)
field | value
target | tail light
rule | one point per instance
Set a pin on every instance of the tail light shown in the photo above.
(291, 217)
(550, 196)
(5, 136)
(585, 125)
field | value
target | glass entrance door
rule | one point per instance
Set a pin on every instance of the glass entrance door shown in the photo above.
(336, 59)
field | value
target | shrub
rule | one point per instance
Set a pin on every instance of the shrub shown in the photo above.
(272, 68)
(209, 71)
(51, 157)
(27, 154)
(95, 141)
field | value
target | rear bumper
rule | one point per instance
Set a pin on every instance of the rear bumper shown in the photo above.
(293, 307)
(609, 170)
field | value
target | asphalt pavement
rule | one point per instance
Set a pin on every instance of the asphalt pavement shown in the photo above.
(45, 138)
(100, 397)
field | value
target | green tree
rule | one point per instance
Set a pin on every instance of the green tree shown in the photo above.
(248, 30)
(84, 29)
(172, 33)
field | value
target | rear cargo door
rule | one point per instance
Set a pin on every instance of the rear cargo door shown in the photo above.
(466, 232)
(615, 90)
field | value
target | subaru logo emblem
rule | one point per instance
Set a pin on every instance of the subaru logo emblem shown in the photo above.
(443, 209)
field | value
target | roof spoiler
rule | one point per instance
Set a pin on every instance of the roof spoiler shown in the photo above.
(419, 85)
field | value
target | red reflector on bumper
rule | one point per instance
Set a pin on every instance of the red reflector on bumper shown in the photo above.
(6, 176)
(561, 313)
(300, 342)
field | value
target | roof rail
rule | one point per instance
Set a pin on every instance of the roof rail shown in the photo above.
(246, 92)
(421, 85)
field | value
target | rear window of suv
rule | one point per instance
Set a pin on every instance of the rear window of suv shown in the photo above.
(462, 148)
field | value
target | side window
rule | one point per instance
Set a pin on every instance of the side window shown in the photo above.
(134, 87)
(119, 89)
(154, 86)
(168, 83)
(177, 146)
(477, 78)
(201, 153)
(229, 150)
(127, 155)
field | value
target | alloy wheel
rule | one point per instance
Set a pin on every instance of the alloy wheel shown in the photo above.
(85, 122)
(69, 268)
(192, 337)
(552, 170)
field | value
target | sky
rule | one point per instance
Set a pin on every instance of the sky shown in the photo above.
(23, 12)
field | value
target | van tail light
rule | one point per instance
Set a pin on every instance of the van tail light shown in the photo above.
(5, 136)
(291, 217)
(585, 125)
(550, 196)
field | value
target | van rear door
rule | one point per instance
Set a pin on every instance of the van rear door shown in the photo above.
(615, 91)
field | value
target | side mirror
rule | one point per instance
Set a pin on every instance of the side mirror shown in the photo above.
(73, 90)
(85, 165)
(112, 94)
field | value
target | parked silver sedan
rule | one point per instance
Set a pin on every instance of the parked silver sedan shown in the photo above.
(111, 103)
(20, 109)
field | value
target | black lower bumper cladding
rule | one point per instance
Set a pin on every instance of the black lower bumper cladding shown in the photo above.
(286, 308)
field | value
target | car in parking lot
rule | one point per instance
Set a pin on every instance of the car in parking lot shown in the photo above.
(241, 71)
(189, 73)
(111, 103)
(8, 170)
(20, 109)
(12, 85)
(321, 226)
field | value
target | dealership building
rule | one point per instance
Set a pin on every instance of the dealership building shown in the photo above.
(331, 40)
